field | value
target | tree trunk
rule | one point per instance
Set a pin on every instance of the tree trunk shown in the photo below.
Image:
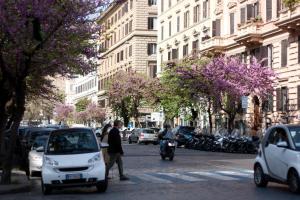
(231, 122)
(209, 116)
(18, 112)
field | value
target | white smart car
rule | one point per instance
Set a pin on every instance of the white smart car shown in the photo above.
(278, 158)
(73, 158)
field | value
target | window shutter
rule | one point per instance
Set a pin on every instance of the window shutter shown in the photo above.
(243, 13)
(270, 102)
(298, 96)
(213, 28)
(284, 53)
(195, 14)
(249, 11)
(218, 27)
(278, 100)
(278, 7)
(298, 49)
(231, 23)
(149, 23)
(204, 9)
(269, 9)
(149, 49)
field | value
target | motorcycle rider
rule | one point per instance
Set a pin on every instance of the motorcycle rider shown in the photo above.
(165, 135)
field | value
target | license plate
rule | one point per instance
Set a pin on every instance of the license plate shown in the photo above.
(73, 176)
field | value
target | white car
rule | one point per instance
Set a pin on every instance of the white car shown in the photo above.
(278, 158)
(73, 158)
(35, 156)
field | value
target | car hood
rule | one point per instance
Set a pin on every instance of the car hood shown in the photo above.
(72, 160)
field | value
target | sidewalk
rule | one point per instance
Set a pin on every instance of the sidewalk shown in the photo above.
(20, 184)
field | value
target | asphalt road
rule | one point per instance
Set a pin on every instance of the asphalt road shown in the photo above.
(192, 175)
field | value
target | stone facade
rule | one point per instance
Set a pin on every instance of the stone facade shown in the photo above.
(261, 28)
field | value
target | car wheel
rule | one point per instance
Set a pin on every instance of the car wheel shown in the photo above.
(163, 157)
(102, 186)
(260, 179)
(46, 189)
(293, 181)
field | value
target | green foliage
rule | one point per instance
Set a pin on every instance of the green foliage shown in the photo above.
(82, 104)
(291, 3)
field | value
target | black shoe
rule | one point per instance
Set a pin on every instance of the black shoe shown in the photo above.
(124, 178)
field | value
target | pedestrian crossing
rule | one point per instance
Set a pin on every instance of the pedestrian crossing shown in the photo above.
(184, 177)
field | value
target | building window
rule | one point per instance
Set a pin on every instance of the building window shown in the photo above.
(205, 9)
(231, 23)
(175, 54)
(216, 28)
(269, 10)
(196, 13)
(126, 29)
(152, 23)
(170, 28)
(282, 99)
(118, 57)
(170, 3)
(186, 22)
(151, 49)
(131, 4)
(162, 33)
(116, 18)
(152, 2)
(169, 55)
(178, 23)
(284, 49)
(195, 45)
(130, 50)
(252, 10)
(267, 104)
(243, 15)
(130, 26)
(162, 5)
(185, 50)
(152, 69)
(122, 55)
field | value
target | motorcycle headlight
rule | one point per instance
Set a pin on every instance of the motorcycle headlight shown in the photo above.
(50, 161)
(171, 144)
(95, 158)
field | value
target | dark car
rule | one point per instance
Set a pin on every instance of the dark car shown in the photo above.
(182, 133)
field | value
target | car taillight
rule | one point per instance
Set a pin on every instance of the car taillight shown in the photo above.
(142, 135)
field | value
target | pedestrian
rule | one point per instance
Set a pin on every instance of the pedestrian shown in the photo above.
(104, 139)
(115, 150)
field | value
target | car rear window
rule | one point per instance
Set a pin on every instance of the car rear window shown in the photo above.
(148, 131)
(72, 142)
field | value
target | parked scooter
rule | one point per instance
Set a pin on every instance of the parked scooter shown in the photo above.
(167, 149)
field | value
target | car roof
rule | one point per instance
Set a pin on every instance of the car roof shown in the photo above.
(71, 129)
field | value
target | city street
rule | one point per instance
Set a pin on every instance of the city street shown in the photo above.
(192, 175)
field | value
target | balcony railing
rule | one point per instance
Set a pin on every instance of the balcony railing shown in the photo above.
(215, 44)
(249, 33)
(289, 19)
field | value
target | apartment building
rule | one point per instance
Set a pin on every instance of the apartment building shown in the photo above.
(261, 28)
(81, 87)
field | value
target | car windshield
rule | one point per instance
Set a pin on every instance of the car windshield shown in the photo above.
(39, 142)
(295, 133)
(72, 142)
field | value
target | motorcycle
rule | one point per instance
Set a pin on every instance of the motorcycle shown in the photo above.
(167, 149)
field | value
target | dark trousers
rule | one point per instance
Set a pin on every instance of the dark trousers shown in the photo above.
(115, 158)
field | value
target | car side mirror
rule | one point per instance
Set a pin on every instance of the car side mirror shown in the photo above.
(282, 144)
(40, 149)
(104, 145)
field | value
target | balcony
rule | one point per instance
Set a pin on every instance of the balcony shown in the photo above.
(215, 45)
(249, 34)
(289, 19)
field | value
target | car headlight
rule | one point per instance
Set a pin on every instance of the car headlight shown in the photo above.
(95, 158)
(50, 161)
(35, 158)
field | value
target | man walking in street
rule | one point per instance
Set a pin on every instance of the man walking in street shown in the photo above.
(115, 150)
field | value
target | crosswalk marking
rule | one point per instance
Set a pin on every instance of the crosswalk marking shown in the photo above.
(152, 179)
(183, 177)
(215, 176)
(235, 173)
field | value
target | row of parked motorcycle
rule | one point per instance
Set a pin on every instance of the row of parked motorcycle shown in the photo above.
(219, 143)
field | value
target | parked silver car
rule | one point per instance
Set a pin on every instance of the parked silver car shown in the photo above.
(143, 135)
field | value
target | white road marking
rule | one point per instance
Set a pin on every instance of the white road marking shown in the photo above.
(235, 173)
(152, 179)
(216, 176)
(183, 177)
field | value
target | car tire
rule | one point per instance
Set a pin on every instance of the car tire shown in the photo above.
(293, 181)
(163, 157)
(102, 186)
(46, 189)
(260, 178)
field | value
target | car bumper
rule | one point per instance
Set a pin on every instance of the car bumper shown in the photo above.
(148, 140)
(36, 165)
(93, 175)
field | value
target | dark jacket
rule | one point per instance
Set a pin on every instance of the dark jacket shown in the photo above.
(114, 141)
